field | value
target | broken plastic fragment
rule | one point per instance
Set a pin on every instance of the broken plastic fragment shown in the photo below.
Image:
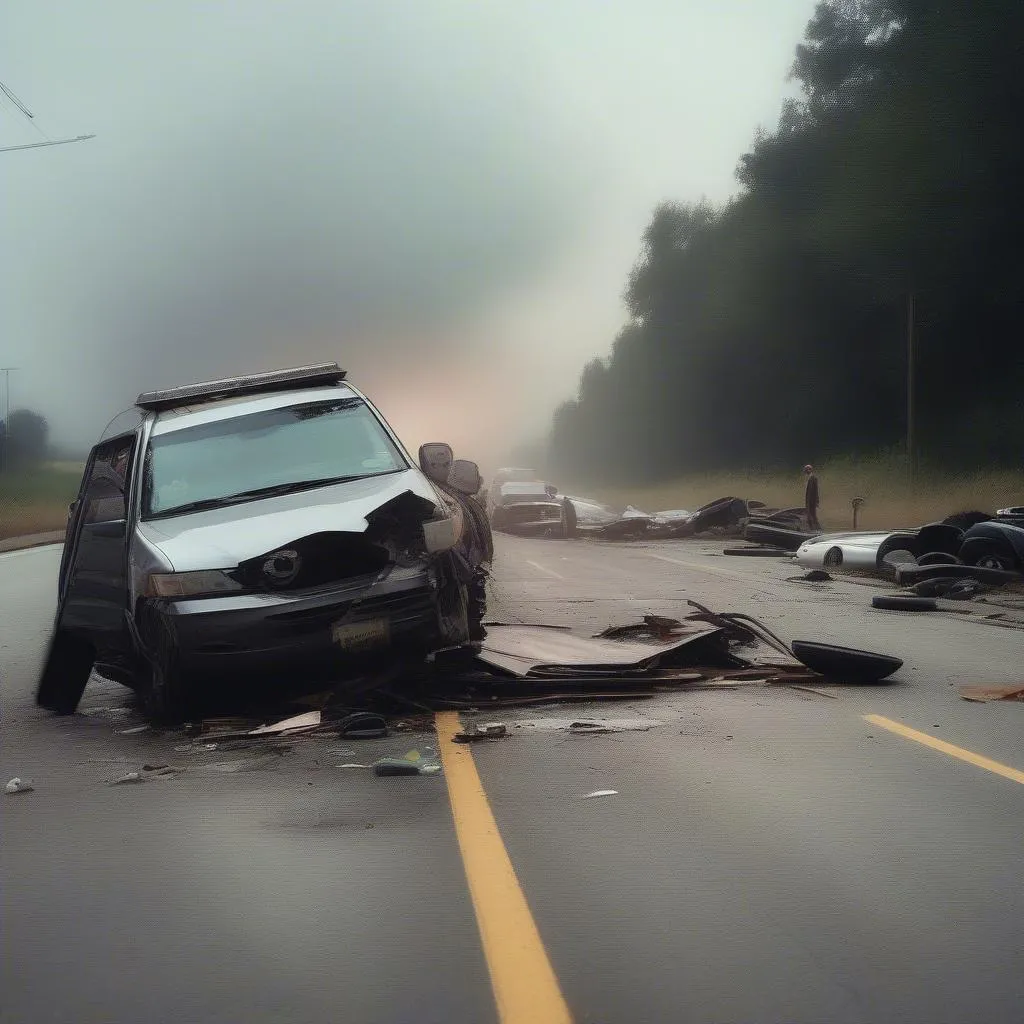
(133, 730)
(131, 777)
(310, 720)
(363, 725)
(600, 792)
(17, 785)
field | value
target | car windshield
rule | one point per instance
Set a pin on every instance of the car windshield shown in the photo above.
(253, 456)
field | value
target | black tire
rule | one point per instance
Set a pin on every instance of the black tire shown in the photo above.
(833, 558)
(991, 555)
(570, 520)
(940, 537)
(938, 558)
(69, 663)
(166, 696)
(908, 575)
(904, 604)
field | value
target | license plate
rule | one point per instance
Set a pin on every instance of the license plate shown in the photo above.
(361, 636)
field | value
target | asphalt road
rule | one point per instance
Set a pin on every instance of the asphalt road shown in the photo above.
(769, 855)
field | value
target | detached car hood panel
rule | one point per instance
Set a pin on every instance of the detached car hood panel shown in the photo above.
(223, 537)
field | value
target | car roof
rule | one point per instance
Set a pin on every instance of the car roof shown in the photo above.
(172, 420)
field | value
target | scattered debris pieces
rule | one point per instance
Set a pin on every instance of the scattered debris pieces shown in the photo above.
(363, 725)
(845, 664)
(600, 792)
(18, 785)
(133, 730)
(131, 778)
(300, 723)
(486, 731)
(351, 765)
(984, 694)
(395, 766)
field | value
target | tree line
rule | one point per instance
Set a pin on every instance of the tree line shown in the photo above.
(24, 440)
(887, 204)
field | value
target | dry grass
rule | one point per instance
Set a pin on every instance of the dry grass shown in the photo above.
(36, 500)
(890, 502)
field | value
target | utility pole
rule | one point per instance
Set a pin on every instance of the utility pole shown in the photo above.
(5, 432)
(910, 388)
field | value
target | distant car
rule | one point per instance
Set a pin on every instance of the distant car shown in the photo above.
(509, 474)
(530, 507)
(270, 525)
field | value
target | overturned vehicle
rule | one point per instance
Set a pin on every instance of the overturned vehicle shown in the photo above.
(269, 526)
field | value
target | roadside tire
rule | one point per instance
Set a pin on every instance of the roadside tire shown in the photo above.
(65, 675)
(904, 604)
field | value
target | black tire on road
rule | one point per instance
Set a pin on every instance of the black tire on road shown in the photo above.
(904, 604)
(69, 663)
(166, 696)
(987, 554)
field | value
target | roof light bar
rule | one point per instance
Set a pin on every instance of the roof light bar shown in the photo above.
(254, 383)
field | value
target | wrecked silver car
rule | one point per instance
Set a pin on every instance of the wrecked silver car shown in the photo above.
(270, 525)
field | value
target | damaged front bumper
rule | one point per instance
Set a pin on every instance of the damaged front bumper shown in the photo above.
(318, 634)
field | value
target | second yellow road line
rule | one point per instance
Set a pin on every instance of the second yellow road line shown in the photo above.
(526, 990)
(949, 749)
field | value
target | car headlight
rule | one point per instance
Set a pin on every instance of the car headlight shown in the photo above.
(203, 583)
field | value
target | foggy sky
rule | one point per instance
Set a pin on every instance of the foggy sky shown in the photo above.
(444, 196)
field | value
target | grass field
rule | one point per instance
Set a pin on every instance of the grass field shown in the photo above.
(36, 500)
(890, 501)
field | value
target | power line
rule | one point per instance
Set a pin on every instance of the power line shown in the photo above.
(53, 142)
(14, 99)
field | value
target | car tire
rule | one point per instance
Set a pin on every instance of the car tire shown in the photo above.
(990, 555)
(69, 663)
(166, 696)
(904, 604)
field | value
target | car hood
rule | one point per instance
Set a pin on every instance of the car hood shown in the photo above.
(221, 538)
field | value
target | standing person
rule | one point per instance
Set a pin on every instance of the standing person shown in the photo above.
(812, 498)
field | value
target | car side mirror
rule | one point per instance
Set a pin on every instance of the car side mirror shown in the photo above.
(436, 461)
(465, 477)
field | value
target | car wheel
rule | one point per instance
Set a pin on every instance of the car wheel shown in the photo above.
(66, 672)
(165, 695)
(833, 558)
(994, 557)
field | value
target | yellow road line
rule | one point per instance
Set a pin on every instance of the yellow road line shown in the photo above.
(545, 570)
(947, 748)
(704, 568)
(526, 990)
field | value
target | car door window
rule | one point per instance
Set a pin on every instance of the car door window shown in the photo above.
(105, 495)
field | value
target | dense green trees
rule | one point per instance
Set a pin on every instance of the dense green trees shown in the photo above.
(773, 330)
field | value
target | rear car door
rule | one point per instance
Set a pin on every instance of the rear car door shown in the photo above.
(94, 577)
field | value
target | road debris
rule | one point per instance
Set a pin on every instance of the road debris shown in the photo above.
(984, 694)
(600, 792)
(18, 785)
(813, 689)
(400, 766)
(352, 765)
(363, 725)
(486, 731)
(299, 723)
(134, 730)
(131, 778)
